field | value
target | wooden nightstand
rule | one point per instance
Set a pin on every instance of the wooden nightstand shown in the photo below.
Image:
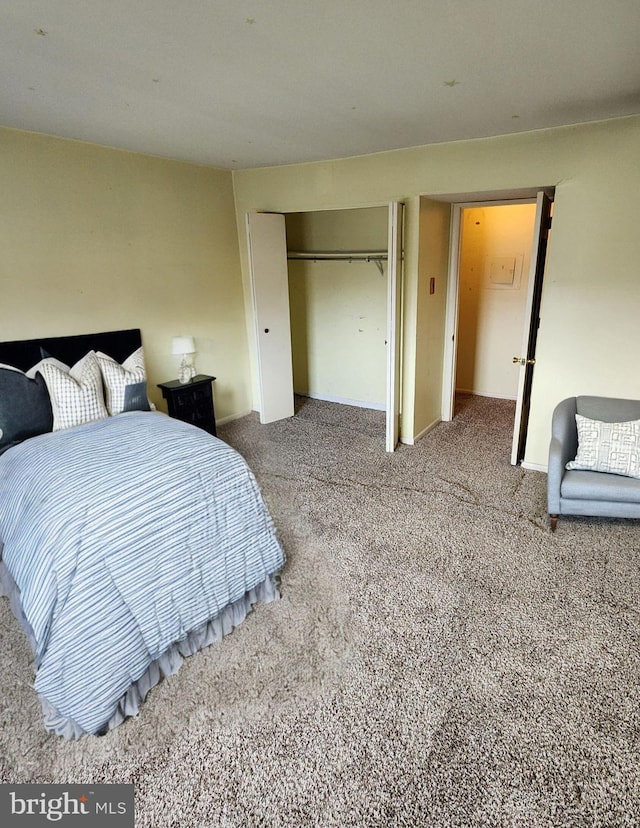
(191, 402)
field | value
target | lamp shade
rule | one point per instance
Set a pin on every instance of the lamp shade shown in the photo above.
(183, 345)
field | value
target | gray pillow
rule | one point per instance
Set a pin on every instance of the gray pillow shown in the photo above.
(25, 407)
(135, 397)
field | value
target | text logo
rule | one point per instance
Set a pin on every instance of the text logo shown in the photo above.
(30, 806)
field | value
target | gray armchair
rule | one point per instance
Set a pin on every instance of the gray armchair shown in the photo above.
(578, 492)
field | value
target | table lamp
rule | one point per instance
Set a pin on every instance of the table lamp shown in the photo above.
(184, 346)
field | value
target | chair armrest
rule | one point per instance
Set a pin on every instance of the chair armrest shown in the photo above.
(562, 448)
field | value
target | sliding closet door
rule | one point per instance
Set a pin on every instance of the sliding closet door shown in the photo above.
(266, 236)
(394, 317)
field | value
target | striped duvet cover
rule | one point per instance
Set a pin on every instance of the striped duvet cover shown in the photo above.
(121, 538)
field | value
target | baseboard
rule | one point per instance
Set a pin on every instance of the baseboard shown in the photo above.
(534, 467)
(410, 441)
(344, 401)
(483, 394)
(231, 417)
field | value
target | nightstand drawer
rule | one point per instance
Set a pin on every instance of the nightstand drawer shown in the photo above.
(193, 396)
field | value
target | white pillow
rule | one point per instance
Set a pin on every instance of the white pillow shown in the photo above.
(76, 393)
(117, 377)
(607, 447)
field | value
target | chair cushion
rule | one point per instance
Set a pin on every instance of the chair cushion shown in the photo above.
(589, 485)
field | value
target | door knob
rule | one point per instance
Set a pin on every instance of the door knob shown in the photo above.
(524, 361)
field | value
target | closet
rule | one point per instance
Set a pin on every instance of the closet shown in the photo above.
(335, 335)
(337, 266)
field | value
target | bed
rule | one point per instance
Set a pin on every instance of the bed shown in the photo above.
(128, 540)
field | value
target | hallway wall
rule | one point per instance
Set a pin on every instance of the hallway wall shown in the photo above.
(495, 258)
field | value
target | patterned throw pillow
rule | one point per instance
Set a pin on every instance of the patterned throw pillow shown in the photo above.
(76, 394)
(608, 447)
(118, 377)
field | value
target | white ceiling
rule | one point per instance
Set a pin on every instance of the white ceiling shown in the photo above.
(244, 83)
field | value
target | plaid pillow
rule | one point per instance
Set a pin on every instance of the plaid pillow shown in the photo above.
(607, 447)
(117, 377)
(76, 393)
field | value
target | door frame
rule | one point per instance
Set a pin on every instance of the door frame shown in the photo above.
(394, 322)
(453, 289)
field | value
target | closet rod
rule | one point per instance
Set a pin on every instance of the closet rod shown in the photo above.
(338, 255)
(375, 256)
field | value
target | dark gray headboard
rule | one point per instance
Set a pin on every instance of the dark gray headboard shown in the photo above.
(24, 354)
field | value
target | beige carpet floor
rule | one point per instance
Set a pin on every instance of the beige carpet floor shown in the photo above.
(438, 657)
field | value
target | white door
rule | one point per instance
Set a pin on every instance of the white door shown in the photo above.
(266, 237)
(394, 319)
(526, 358)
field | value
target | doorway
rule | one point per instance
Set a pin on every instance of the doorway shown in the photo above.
(493, 275)
(498, 254)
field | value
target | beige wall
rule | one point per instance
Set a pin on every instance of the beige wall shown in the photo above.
(589, 337)
(494, 241)
(97, 239)
(338, 308)
(428, 353)
(94, 238)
